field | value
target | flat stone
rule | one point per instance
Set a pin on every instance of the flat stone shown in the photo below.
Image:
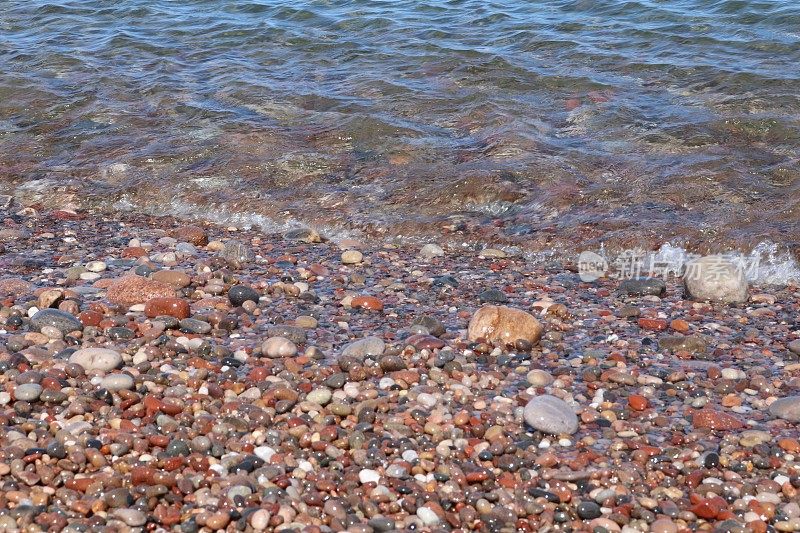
(715, 278)
(352, 257)
(716, 420)
(504, 324)
(429, 251)
(174, 278)
(362, 348)
(192, 325)
(28, 392)
(117, 382)
(295, 334)
(643, 287)
(787, 408)
(61, 320)
(552, 415)
(132, 290)
(96, 359)
(684, 343)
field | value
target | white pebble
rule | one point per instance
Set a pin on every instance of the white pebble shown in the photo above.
(369, 476)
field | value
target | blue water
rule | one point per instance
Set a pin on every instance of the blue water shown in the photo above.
(543, 124)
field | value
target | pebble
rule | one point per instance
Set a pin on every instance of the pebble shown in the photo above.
(715, 278)
(132, 290)
(61, 320)
(237, 253)
(319, 396)
(369, 476)
(352, 257)
(239, 294)
(103, 359)
(429, 251)
(787, 408)
(28, 392)
(275, 347)
(539, 378)
(643, 287)
(505, 324)
(117, 382)
(362, 348)
(549, 414)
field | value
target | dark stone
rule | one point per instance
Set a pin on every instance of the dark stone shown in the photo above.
(239, 294)
(434, 327)
(177, 447)
(336, 381)
(643, 287)
(192, 325)
(295, 334)
(493, 296)
(588, 510)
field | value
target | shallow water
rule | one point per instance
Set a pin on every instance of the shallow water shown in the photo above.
(550, 125)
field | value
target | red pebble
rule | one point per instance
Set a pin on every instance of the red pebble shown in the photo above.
(656, 324)
(708, 418)
(367, 302)
(175, 307)
(637, 402)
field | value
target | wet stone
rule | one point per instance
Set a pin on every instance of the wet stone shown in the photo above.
(550, 415)
(28, 392)
(362, 348)
(96, 359)
(493, 296)
(239, 294)
(237, 253)
(787, 408)
(61, 320)
(295, 334)
(643, 287)
(192, 325)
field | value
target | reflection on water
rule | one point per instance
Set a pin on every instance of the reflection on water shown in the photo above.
(549, 125)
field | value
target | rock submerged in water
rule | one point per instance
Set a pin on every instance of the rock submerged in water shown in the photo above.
(552, 415)
(715, 278)
(504, 324)
(786, 408)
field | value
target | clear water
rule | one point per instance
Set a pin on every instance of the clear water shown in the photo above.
(547, 125)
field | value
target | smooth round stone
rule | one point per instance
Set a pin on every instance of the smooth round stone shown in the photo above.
(430, 251)
(732, 373)
(319, 396)
(174, 307)
(306, 322)
(369, 476)
(117, 382)
(428, 516)
(550, 415)
(131, 517)
(173, 278)
(61, 320)
(276, 347)
(96, 359)
(786, 408)
(239, 294)
(28, 392)
(362, 348)
(192, 325)
(118, 498)
(539, 378)
(352, 257)
(588, 510)
(259, 520)
(96, 266)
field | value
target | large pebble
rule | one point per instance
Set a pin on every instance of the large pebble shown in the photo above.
(787, 408)
(237, 253)
(116, 382)
(550, 415)
(504, 324)
(362, 348)
(319, 396)
(239, 294)
(96, 359)
(430, 251)
(352, 257)
(132, 290)
(278, 347)
(28, 392)
(61, 320)
(715, 278)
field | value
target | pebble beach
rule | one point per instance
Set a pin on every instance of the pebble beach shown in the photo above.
(157, 375)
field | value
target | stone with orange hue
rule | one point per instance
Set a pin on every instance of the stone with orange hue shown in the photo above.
(717, 420)
(655, 324)
(175, 307)
(679, 325)
(191, 234)
(637, 402)
(709, 508)
(90, 318)
(132, 290)
(504, 324)
(367, 302)
(134, 252)
(789, 444)
(174, 278)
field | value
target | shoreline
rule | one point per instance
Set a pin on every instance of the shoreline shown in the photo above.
(422, 429)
